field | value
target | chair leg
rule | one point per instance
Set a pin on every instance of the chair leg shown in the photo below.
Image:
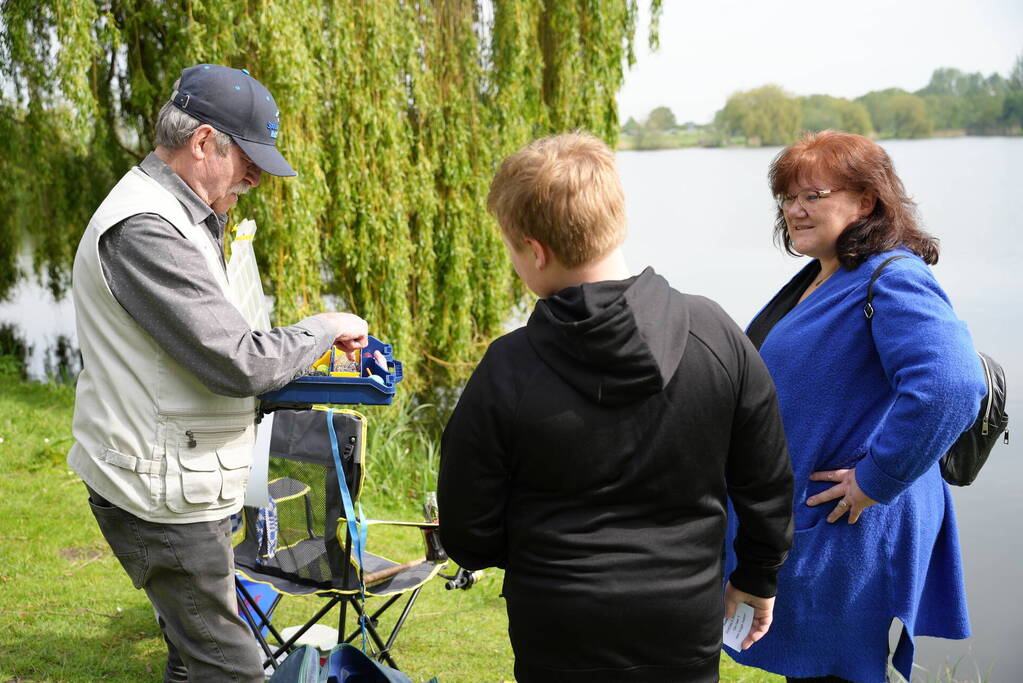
(256, 629)
(382, 653)
(373, 617)
(287, 646)
(401, 619)
(264, 618)
(281, 648)
(384, 649)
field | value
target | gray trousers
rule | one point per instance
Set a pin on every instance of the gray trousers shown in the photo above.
(187, 570)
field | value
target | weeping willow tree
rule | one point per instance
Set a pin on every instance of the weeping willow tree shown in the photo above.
(394, 112)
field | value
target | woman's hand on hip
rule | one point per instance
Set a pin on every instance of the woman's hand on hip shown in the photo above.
(850, 496)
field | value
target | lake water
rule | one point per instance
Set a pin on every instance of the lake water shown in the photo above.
(39, 318)
(702, 218)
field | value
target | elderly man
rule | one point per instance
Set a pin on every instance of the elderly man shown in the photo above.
(164, 411)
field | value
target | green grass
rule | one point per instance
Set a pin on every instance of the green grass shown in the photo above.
(962, 670)
(69, 613)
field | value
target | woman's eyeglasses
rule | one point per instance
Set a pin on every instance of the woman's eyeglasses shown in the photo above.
(806, 198)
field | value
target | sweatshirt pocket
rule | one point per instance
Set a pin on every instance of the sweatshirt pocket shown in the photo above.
(207, 462)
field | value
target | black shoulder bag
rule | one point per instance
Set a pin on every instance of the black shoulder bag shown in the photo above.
(962, 462)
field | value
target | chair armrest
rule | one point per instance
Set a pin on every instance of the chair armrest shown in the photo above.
(286, 488)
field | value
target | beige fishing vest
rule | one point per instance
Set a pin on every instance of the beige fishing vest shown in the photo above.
(149, 437)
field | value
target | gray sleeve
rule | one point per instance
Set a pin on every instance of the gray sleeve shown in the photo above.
(162, 281)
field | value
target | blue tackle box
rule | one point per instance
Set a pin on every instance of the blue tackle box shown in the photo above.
(377, 389)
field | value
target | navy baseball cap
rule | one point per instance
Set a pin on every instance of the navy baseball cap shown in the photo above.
(235, 103)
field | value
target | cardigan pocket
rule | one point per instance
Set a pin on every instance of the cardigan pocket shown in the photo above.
(805, 560)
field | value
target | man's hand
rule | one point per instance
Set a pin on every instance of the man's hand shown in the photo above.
(763, 610)
(350, 332)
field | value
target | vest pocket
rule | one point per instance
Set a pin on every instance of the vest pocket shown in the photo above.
(235, 462)
(200, 480)
(207, 463)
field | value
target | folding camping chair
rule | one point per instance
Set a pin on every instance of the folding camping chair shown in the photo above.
(303, 544)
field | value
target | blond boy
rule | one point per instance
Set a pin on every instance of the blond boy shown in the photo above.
(593, 451)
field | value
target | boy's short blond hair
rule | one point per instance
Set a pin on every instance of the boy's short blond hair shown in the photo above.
(564, 192)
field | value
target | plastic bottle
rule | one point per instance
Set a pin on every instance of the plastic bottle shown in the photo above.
(434, 550)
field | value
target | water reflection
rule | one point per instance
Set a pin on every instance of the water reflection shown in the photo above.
(47, 326)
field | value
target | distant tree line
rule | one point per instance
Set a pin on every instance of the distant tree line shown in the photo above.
(653, 132)
(952, 102)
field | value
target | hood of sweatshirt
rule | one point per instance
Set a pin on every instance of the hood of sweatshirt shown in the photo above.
(616, 341)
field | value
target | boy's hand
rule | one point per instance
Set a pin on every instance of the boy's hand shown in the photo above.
(763, 610)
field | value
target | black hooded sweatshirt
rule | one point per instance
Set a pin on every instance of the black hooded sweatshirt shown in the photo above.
(590, 456)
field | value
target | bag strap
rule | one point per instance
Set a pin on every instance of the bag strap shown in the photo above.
(357, 528)
(354, 520)
(868, 308)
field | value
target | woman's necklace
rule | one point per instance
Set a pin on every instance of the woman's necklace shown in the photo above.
(820, 280)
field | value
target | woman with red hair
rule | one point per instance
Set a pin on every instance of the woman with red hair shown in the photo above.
(869, 407)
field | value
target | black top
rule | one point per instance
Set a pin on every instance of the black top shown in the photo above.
(783, 302)
(592, 454)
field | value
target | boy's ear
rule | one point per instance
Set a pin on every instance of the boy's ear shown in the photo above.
(541, 254)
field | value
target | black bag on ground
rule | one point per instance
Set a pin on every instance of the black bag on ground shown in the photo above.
(962, 462)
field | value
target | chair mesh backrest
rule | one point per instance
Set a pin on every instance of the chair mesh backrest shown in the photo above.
(309, 547)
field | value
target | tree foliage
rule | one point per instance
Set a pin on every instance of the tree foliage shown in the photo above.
(897, 113)
(395, 114)
(1015, 79)
(661, 119)
(964, 101)
(764, 116)
(653, 132)
(823, 112)
(1012, 107)
(952, 100)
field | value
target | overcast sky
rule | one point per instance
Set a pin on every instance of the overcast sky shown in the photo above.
(713, 48)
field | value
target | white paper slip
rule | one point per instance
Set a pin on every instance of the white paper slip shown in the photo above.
(257, 495)
(738, 626)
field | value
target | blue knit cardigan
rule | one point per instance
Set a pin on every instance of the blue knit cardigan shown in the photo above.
(889, 402)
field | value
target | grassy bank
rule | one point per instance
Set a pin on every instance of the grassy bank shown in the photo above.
(673, 139)
(69, 613)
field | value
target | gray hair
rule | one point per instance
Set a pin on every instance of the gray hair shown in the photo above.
(174, 127)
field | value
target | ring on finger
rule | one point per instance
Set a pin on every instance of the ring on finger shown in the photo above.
(843, 504)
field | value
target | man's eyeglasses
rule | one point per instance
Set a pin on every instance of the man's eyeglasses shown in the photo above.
(806, 198)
